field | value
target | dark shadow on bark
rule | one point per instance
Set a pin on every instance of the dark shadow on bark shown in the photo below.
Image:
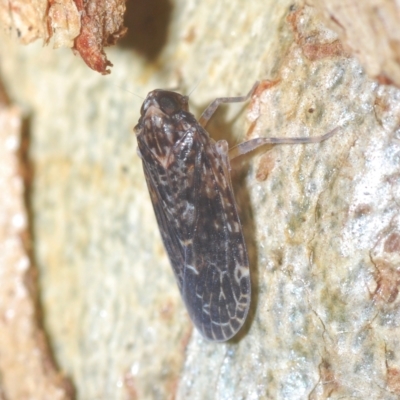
(147, 22)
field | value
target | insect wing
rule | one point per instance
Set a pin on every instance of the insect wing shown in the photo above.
(199, 224)
(217, 289)
(169, 235)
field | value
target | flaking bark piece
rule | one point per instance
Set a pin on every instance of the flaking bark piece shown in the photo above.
(86, 26)
(41, 19)
(64, 22)
(101, 25)
(25, 19)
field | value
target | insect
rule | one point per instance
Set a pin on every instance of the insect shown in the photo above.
(188, 177)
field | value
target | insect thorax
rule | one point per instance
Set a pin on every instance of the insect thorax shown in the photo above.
(163, 134)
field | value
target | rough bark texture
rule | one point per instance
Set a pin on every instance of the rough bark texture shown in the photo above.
(321, 221)
(371, 30)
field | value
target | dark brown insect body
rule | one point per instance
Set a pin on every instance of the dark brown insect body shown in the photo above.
(188, 177)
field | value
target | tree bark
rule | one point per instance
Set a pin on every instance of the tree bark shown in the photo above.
(321, 221)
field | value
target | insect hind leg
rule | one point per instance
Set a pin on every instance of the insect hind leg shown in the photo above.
(250, 145)
(210, 110)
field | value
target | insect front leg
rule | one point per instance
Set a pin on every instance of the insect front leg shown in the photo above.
(210, 110)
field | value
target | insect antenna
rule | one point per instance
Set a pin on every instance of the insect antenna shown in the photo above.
(126, 90)
(196, 85)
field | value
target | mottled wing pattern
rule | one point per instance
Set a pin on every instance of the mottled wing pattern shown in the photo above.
(216, 286)
(199, 224)
(169, 234)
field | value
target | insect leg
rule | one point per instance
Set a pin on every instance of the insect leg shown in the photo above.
(253, 144)
(209, 111)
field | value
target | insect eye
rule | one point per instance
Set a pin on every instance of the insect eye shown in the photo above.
(169, 105)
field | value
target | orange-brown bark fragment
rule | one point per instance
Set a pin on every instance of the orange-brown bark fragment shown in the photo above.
(392, 243)
(311, 41)
(27, 369)
(265, 166)
(101, 25)
(328, 378)
(315, 51)
(393, 380)
(388, 281)
(264, 85)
